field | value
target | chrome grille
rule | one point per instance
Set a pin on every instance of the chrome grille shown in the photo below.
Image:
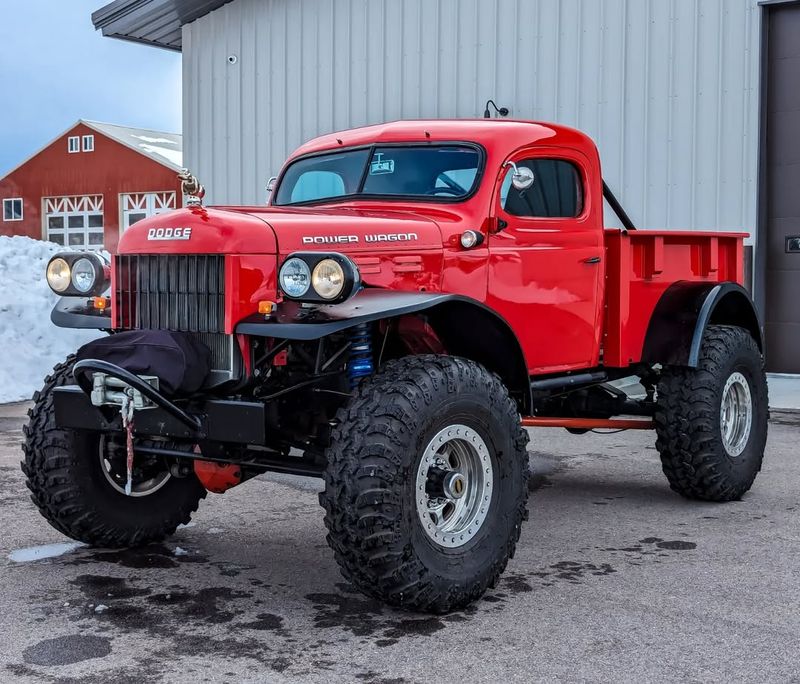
(183, 293)
(171, 292)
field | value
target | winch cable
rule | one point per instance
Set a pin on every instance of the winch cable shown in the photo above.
(86, 366)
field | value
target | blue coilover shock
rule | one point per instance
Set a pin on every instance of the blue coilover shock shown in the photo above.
(360, 363)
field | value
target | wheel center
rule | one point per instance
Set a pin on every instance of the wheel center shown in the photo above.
(454, 485)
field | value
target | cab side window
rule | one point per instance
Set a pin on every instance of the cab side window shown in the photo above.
(557, 190)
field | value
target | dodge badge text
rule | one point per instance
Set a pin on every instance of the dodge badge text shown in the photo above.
(169, 233)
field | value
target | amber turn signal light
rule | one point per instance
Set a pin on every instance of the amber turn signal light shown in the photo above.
(100, 303)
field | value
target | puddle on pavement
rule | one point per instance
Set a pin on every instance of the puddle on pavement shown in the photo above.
(36, 553)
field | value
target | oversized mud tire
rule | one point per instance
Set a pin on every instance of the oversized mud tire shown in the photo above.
(711, 421)
(65, 474)
(426, 484)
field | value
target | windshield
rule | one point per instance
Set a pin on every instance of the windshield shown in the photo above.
(441, 172)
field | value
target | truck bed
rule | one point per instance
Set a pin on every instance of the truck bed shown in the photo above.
(642, 264)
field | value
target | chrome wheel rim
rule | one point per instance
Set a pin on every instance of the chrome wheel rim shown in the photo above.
(454, 486)
(736, 414)
(140, 487)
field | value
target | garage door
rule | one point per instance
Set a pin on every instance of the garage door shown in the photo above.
(782, 310)
(74, 221)
(139, 205)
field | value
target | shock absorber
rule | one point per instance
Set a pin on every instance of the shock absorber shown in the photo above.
(360, 363)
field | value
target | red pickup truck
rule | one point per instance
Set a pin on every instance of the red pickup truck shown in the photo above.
(412, 297)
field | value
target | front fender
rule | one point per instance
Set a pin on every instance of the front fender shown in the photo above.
(467, 328)
(291, 321)
(685, 310)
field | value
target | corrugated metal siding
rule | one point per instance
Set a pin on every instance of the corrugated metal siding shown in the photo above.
(668, 88)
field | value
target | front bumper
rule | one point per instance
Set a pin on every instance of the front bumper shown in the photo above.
(219, 420)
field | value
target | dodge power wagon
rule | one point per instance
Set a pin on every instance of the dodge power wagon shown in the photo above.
(412, 297)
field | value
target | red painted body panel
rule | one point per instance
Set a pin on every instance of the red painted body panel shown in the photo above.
(538, 272)
(110, 170)
(249, 279)
(643, 264)
(567, 313)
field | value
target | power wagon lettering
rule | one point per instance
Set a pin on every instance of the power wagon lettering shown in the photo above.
(391, 237)
(377, 237)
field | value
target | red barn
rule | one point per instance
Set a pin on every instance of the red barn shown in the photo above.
(91, 183)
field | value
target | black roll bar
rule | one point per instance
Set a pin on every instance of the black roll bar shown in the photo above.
(613, 202)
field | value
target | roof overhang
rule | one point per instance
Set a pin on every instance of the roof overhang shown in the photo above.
(153, 22)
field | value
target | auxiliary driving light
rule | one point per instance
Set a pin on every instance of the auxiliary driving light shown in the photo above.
(84, 275)
(58, 275)
(328, 279)
(76, 274)
(295, 277)
(319, 277)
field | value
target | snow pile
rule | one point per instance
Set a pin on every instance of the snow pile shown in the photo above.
(30, 345)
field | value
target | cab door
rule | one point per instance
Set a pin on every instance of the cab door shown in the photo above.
(546, 258)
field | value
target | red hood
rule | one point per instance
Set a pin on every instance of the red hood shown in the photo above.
(348, 230)
(199, 230)
(271, 230)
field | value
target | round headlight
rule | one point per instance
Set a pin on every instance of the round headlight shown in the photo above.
(328, 279)
(295, 277)
(83, 275)
(58, 275)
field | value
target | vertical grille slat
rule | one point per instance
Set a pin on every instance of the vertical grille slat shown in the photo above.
(133, 314)
(171, 292)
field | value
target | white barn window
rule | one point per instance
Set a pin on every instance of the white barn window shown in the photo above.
(12, 209)
(75, 221)
(74, 144)
(88, 143)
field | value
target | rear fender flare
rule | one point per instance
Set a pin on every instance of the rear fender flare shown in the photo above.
(465, 326)
(679, 320)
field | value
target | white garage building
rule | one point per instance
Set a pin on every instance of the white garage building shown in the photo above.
(695, 104)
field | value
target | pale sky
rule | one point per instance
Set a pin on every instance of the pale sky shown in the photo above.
(55, 69)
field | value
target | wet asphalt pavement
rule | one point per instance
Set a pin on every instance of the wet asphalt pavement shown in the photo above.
(615, 578)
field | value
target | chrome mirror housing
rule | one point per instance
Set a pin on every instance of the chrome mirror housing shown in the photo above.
(522, 177)
(270, 187)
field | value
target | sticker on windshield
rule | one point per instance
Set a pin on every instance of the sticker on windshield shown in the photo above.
(379, 165)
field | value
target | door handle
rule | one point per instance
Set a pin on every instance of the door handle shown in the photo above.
(592, 260)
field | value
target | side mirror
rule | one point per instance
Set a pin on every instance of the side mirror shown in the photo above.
(270, 187)
(522, 178)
